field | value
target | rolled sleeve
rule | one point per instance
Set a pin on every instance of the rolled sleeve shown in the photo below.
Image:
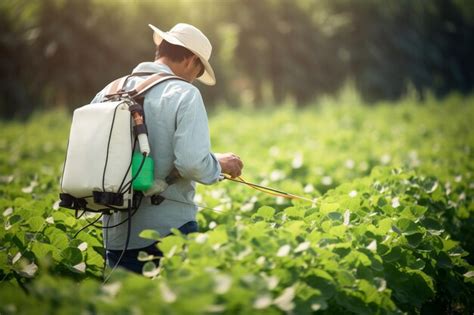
(193, 157)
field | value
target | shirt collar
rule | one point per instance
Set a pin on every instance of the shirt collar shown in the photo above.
(152, 67)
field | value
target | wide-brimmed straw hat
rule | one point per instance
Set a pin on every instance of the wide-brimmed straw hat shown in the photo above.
(189, 37)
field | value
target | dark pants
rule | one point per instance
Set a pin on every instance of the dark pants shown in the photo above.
(129, 260)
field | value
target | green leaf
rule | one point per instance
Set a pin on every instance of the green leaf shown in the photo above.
(318, 303)
(393, 255)
(351, 300)
(335, 216)
(410, 286)
(322, 274)
(296, 228)
(72, 255)
(15, 219)
(345, 278)
(150, 270)
(266, 212)
(384, 226)
(361, 258)
(171, 245)
(144, 256)
(432, 226)
(70, 221)
(57, 237)
(417, 210)
(150, 234)
(294, 212)
(59, 216)
(430, 184)
(93, 258)
(327, 207)
(417, 263)
(414, 239)
(408, 227)
(41, 250)
(326, 226)
(443, 261)
(322, 281)
(369, 290)
(339, 230)
(217, 236)
(256, 230)
(36, 223)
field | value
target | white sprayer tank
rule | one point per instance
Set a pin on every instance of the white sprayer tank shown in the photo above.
(99, 151)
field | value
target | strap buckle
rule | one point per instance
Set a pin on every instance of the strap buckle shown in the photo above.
(157, 199)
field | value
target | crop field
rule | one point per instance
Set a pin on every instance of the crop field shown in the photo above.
(388, 228)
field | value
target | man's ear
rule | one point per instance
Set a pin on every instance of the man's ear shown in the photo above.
(189, 61)
(194, 59)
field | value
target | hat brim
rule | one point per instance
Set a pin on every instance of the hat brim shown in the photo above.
(208, 77)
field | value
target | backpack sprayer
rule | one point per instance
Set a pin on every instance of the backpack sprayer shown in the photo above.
(101, 152)
(102, 171)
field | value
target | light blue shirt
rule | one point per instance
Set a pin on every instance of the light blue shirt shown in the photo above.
(178, 133)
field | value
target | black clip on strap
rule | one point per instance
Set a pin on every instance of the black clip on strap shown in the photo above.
(157, 200)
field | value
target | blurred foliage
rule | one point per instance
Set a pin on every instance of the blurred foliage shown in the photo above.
(268, 51)
(389, 231)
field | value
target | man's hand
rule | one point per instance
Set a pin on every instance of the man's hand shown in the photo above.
(230, 164)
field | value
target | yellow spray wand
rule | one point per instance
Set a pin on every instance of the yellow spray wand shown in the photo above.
(267, 190)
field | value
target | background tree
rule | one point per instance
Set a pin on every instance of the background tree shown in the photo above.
(60, 53)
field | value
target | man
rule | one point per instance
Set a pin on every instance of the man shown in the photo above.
(179, 139)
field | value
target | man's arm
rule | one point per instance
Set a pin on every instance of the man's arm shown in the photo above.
(191, 142)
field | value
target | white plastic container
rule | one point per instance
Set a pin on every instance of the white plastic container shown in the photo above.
(99, 151)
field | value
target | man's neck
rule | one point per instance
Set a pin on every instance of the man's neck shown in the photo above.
(165, 61)
(176, 67)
